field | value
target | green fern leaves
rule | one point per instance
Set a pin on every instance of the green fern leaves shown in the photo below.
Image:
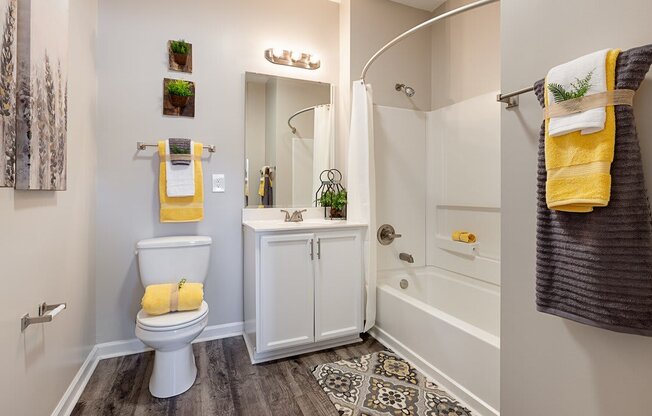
(180, 46)
(579, 88)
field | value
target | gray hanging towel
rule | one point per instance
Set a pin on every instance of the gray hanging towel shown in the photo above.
(180, 147)
(596, 268)
(268, 196)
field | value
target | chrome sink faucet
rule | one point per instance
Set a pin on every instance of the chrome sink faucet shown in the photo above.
(295, 217)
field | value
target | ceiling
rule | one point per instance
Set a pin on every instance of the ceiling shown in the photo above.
(428, 5)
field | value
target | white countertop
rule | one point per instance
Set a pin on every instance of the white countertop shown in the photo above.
(307, 224)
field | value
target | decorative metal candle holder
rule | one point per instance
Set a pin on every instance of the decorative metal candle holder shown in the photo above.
(331, 186)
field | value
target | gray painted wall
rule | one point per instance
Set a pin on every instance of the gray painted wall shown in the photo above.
(373, 24)
(465, 53)
(47, 251)
(228, 39)
(551, 366)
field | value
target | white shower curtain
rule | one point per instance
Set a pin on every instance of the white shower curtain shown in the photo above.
(323, 145)
(362, 186)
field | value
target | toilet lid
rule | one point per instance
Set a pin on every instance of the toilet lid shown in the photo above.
(172, 320)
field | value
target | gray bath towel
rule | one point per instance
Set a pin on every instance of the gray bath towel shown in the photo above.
(180, 147)
(596, 268)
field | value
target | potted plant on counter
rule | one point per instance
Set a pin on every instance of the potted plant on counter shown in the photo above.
(180, 91)
(336, 201)
(180, 49)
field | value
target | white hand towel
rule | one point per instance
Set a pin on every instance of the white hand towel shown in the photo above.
(180, 179)
(589, 121)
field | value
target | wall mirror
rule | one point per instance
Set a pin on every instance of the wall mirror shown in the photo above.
(289, 140)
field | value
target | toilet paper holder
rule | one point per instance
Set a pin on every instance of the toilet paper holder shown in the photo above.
(45, 314)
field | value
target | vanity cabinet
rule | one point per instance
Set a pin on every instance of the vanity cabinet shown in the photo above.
(286, 301)
(303, 289)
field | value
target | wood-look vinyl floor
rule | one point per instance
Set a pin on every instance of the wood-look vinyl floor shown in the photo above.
(227, 384)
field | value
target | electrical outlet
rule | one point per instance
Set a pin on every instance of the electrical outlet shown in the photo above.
(218, 182)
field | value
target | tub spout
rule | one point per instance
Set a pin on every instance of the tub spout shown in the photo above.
(406, 257)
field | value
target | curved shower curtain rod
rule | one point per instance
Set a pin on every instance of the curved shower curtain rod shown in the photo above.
(419, 27)
(303, 110)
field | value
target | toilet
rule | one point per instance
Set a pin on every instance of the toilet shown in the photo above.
(168, 260)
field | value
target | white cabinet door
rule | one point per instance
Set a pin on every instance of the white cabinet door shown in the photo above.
(338, 284)
(285, 291)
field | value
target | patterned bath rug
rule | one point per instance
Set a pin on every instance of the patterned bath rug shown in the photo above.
(382, 384)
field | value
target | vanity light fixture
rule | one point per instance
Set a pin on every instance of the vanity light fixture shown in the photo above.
(292, 58)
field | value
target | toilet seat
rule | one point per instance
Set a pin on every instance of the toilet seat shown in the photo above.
(171, 321)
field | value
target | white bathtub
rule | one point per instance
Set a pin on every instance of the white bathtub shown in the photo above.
(448, 325)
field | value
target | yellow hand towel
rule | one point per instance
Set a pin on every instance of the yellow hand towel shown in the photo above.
(261, 187)
(578, 166)
(168, 297)
(185, 208)
(463, 236)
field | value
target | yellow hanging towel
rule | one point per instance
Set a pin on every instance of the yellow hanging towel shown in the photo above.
(171, 297)
(578, 166)
(185, 208)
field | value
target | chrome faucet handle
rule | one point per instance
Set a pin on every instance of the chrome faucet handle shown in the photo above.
(296, 216)
(386, 234)
(287, 215)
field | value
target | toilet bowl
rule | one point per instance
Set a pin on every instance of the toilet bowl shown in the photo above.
(171, 336)
(168, 260)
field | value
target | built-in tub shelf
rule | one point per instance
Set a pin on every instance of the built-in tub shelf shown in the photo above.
(469, 249)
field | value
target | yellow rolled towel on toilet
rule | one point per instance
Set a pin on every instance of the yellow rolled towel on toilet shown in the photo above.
(463, 236)
(170, 297)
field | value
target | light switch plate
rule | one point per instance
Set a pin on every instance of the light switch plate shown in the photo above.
(218, 182)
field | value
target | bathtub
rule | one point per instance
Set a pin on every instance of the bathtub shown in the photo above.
(448, 326)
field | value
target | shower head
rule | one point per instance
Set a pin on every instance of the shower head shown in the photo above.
(409, 91)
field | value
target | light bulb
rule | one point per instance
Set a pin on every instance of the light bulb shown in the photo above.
(278, 52)
(296, 56)
(314, 59)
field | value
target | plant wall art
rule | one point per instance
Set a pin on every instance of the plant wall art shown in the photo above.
(180, 55)
(42, 104)
(8, 13)
(178, 97)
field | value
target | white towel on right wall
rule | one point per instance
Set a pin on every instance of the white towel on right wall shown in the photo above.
(568, 76)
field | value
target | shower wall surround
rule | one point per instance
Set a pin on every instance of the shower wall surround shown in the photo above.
(400, 142)
(439, 171)
(463, 171)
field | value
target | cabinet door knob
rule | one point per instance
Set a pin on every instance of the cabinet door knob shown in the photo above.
(319, 248)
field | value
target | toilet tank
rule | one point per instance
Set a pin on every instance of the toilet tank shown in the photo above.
(170, 259)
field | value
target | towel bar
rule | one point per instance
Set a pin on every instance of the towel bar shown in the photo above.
(45, 314)
(143, 146)
(511, 99)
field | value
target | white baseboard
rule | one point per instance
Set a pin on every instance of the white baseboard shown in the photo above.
(77, 385)
(119, 348)
(220, 331)
(126, 347)
(468, 399)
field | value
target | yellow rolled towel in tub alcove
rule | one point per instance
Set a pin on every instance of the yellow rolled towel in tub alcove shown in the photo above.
(463, 236)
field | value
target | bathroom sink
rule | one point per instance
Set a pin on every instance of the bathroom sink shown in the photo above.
(311, 223)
